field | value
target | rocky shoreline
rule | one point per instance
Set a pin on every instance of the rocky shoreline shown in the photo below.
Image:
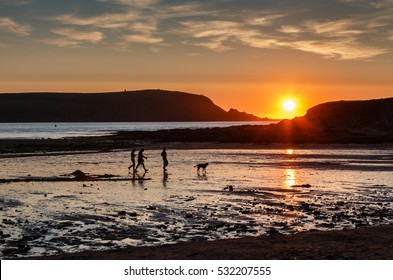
(370, 243)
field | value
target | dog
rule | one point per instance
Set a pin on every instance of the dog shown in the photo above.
(202, 166)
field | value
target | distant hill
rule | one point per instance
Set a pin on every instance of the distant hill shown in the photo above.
(128, 106)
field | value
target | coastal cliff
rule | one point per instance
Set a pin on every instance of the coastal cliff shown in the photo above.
(127, 106)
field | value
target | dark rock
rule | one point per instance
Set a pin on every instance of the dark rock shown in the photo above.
(122, 213)
(189, 216)
(302, 186)
(133, 214)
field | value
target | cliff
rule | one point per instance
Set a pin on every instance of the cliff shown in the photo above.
(130, 106)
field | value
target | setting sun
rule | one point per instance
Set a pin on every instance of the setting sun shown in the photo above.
(289, 105)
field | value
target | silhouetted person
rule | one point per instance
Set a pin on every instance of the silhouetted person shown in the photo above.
(132, 157)
(141, 160)
(164, 158)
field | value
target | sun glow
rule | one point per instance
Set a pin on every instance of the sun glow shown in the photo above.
(289, 105)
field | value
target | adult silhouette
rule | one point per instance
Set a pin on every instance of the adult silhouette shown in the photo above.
(141, 160)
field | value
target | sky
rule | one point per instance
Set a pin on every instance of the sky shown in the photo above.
(248, 55)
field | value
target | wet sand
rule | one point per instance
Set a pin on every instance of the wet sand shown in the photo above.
(361, 243)
(373, 243)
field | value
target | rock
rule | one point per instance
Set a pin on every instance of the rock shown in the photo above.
(301, 186)
(272, 231)
(81, 176)
(122, 213)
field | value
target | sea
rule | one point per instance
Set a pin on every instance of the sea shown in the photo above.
(243, 192)
(62, 130)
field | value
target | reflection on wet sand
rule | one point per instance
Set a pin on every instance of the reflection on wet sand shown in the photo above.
(290, 178)
(165, 179)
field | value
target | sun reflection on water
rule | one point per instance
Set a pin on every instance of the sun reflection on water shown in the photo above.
(290, 178)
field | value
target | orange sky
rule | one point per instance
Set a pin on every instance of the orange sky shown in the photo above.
(248, 55)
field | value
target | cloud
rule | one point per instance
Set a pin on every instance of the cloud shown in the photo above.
(337, 39)
(338, 49)
(336, 28)
(135, 3)
(16, 2)
(111, 21)
(290, 29)
(331, 39)
(219, 35)
(264, 20)
(143, 32)
(142, 38)
(9, 25)
(74, 38)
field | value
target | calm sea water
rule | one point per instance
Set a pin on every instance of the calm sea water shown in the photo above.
(61, 130)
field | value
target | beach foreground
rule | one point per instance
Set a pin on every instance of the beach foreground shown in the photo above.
(371, 243)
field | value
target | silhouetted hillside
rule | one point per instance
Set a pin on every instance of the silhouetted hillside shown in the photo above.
(145, 105)
(371, 117)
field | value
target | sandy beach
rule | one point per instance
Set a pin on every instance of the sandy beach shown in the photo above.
(374, 243)
(302, 202)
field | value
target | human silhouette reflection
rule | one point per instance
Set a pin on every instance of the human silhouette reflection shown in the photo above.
(141, 179)
(136, 177)
(165, 179)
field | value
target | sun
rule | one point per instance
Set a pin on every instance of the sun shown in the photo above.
(289, 105)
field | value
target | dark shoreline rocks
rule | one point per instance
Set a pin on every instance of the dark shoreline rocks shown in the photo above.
(367, 243)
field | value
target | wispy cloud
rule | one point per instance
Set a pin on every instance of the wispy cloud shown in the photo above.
(70, 37)
(135, 3)
(111, 21)
(142, 38)
(290, 29)
(9, 25)
(222, 35)
(341, 49)
(336, 28)
(16, 2)
(331, 39)
(143, 32)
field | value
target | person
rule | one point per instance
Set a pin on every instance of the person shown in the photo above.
(164, 158)
(132, 160)
(141, 160)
